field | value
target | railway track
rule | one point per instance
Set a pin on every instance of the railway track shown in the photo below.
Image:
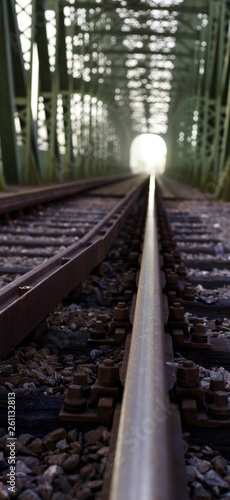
(120, 395)
(69, 239)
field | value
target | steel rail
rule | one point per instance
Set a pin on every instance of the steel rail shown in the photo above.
(14, 201)
(47, 284)
(143, 464)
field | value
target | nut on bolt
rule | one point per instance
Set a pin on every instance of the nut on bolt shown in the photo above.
(133, 258)
(108, 373)
(172, 278)
(182, 270)
(187, 374)
(220, 408)
(98, 331)
(74, 401)
(188, 293)
(129, 278)
(176, 312)
(199, 334)
(80, 378)
(121, 312)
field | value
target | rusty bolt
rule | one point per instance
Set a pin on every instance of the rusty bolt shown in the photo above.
(196, 320)
(200, 328)
(182, 271)
(216, 385)
(187, 374)
(133, 257)
(102, 318)
(168, 258)
(165, 244)
(129, 277)
(176, 312)
(176, 255)
(108, 373)
(199, 334)
(121, 312)
(80, 378)
(188, 292)
(172, 278)
(220, 407)
(98, 331)
(74, 400)
(113, 287)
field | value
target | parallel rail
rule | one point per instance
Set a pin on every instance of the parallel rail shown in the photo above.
(25, 302)
(17, 200)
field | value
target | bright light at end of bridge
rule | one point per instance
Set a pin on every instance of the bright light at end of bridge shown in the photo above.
(148, 154)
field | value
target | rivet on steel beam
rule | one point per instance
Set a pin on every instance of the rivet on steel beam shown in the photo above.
(23, 289)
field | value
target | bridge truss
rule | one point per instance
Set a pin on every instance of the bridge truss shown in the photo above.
(81, 78)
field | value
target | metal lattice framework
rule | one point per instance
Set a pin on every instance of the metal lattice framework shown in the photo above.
(80, 79)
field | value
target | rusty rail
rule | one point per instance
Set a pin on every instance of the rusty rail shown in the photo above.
(17, 200)
(25, 302)
(143, 461)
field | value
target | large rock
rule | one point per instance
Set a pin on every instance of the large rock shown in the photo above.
(29, 495)
(53, 437)
(45, 491)
(36, 446)
(220, 465)
(54, 470)
(71, 462)
(4, 495)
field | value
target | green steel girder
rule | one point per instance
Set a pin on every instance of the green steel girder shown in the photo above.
(102, 69)
(143, 32)
(10, 155)
(139, 6)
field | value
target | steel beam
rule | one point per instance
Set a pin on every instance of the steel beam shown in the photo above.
(10, 153)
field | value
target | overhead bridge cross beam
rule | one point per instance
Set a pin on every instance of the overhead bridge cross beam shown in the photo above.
(139, 6)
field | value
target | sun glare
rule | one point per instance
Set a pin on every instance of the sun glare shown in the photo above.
(148, 153)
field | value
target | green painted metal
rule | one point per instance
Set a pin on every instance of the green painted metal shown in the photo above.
(199, 131)
(10, 155)
(107, 71)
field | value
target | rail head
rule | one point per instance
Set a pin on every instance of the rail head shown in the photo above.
(143, 465)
